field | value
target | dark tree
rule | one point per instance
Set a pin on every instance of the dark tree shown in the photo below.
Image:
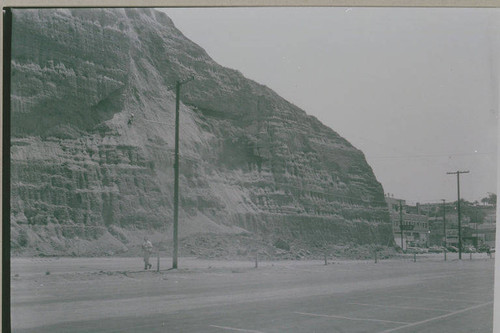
(473, 212)
(491, 199)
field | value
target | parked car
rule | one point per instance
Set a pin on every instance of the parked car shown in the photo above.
(470, 249)
(417, 250)
(436, 249)
(484, 248)
(452, 249)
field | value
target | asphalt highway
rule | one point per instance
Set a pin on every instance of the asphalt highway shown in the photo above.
(81, 295)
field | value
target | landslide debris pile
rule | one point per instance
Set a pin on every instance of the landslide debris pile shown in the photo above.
(93, 139)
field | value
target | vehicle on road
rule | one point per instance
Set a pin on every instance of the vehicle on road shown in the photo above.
(483, 248)
(470, 249)
(417, 250)
(436, 249)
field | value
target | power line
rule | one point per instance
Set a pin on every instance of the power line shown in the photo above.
(429, 155)
(412, 155)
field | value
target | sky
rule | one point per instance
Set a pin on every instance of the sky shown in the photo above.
(415, 89)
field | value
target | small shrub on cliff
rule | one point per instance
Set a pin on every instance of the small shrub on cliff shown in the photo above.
(22, 239)
(281, 244)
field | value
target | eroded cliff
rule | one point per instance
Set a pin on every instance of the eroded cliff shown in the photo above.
(93, 139)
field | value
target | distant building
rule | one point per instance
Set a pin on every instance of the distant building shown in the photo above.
(436, 228)
(479, 234)
(415, 225)
(486, 231)
(475, 234)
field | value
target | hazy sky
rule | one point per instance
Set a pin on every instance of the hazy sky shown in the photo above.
(416, 89)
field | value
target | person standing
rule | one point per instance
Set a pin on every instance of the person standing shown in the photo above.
(147, 249)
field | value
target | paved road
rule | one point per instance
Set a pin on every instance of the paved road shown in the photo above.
(303, 296)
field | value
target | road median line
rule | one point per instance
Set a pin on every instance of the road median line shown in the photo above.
(438, 317)
(401, 307)
(235, 329)
(351, 318)
(435, 299)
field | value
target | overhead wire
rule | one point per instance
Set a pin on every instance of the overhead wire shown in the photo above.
(429, 155)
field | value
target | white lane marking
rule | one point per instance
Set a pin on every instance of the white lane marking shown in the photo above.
(457, 275)
(435, 299)
(351, 318)
(459, 292)
(135, 327)
(438, 317)
(235, 329)
(401, 307)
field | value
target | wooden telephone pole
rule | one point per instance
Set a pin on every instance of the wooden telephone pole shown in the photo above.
(458, 209)
(444, 221)
(401, 223)
(178, 85)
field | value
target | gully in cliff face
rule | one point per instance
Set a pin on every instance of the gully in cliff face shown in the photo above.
(93, 140)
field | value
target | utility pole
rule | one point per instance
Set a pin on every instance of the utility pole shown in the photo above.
(458, 208)
(444, 228)
(6, 180)
(178, 85)
(477, 235)
(444, 221)
(401, 222)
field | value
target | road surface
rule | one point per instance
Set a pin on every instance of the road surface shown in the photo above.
(113, 295)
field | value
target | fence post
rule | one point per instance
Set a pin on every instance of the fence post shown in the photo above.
(256, 260)
(158, 261)
(444, 254)
(470, 255)
(414, 257)
(326, 262)
(375, 256)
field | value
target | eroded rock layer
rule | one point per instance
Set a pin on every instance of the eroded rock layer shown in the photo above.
(93, 141)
